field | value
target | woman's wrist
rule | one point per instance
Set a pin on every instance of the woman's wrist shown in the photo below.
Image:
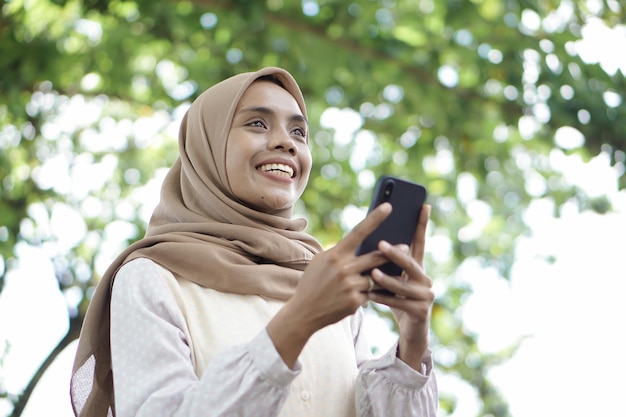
(289, 333)
(412, 352)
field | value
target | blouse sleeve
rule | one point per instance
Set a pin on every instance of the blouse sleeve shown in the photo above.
(386, 386)
(152, 369)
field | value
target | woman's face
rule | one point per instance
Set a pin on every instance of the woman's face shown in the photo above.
(268, 159)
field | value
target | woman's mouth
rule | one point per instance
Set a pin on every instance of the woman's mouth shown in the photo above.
(278, 169)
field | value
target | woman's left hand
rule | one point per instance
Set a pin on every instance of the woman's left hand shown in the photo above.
(412, 303)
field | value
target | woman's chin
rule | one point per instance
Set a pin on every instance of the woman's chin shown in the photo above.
(275, 205)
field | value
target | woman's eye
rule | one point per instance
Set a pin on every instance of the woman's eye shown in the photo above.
(300, 132)
(257, 123)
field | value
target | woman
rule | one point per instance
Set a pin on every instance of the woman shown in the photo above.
(228, 308)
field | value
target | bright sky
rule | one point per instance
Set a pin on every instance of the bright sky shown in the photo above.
(569, 308)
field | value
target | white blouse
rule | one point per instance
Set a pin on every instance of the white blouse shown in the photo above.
(153, 373)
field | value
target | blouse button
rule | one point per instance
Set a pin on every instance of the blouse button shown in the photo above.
(305, 395)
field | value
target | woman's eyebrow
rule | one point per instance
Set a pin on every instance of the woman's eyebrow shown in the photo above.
(268, 111)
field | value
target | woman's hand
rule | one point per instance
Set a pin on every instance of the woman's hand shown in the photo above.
(330, 289)
(413, 298)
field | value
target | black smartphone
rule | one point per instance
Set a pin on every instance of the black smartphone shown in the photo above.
(407, 199)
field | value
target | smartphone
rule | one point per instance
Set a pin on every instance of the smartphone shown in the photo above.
(407, 199)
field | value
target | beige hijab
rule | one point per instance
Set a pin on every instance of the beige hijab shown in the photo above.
(199, 232)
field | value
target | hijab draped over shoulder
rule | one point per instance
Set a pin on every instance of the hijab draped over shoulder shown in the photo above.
(200, 232)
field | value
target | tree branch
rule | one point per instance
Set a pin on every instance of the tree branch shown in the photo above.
(72, 334)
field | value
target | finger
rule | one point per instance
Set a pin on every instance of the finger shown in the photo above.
(353, 239)
(367, 261)
(418, 308)
(399, 255)
(412, 270)
(418, 244)
(403, 289)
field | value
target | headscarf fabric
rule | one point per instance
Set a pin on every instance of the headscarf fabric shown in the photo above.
(200, 232)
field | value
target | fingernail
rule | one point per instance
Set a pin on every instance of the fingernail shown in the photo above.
(384, 244)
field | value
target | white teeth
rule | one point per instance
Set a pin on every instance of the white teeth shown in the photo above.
(280, 169)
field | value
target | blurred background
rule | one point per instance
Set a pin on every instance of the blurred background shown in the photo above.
(510, 112)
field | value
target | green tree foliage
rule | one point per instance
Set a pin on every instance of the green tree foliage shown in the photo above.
(474, 99)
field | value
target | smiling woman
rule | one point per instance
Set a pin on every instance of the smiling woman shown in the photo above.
(268, 159)
(228, 305)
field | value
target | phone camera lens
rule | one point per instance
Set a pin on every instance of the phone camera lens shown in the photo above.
(387, 191)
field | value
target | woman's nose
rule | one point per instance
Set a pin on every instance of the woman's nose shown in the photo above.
(282, 141)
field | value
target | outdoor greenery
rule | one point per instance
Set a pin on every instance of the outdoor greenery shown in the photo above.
(475, 99)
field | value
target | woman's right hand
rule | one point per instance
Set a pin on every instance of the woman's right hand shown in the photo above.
(330, 289)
